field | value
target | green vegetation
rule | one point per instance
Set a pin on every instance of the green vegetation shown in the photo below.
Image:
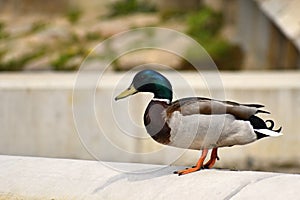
(204, 26)
(2, 53)
(125, 7)
(73, 15)
(16, 64)
(35, 27)
(68, 60)
(59, 63)
(38, 26)
(90, 36)
(3, 34)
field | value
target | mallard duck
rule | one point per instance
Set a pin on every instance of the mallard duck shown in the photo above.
(196, 122)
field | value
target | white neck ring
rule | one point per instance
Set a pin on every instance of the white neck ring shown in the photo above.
(163, 100)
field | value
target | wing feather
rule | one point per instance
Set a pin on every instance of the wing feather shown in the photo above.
(202, 105)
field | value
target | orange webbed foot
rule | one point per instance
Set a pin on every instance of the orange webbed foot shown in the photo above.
(187, 171)
(195, 168)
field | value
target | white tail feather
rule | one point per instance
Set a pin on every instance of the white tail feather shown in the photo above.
(268, 132)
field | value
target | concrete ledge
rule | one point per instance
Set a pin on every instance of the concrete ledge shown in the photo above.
(45, 178)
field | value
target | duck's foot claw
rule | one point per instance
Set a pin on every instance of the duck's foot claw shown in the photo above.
(187, 170)
(207, 166)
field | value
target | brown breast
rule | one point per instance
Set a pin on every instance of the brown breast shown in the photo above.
(155, 123)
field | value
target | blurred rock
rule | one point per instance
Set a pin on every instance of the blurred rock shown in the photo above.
(113, 26)
(38, 64)
(52, 34)
(17, 7)
(18, 53)
(177, 5)
(73, 63)
(18, 30)
(162, 58)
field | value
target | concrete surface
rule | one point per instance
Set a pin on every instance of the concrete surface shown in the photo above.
(36, 118)
(44, 178)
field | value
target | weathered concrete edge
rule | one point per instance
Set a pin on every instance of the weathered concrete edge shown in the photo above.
(230, 80)
(48, 178)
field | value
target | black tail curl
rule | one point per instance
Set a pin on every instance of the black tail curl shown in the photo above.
(258, 123)
(272, 126)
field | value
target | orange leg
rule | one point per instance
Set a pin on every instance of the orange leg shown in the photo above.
(213, 158)
(197, 167)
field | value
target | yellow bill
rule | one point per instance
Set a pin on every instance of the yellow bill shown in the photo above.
(130, 91)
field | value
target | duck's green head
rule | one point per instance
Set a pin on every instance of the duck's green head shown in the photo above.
(149, 81)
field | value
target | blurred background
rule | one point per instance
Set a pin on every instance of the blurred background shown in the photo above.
(238, 34)
(254, 43)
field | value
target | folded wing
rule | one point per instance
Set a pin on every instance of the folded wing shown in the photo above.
(200, 105)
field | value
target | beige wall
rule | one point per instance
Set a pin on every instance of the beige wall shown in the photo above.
(37, 118)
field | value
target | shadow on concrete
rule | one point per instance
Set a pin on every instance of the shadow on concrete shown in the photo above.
(139, 176)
